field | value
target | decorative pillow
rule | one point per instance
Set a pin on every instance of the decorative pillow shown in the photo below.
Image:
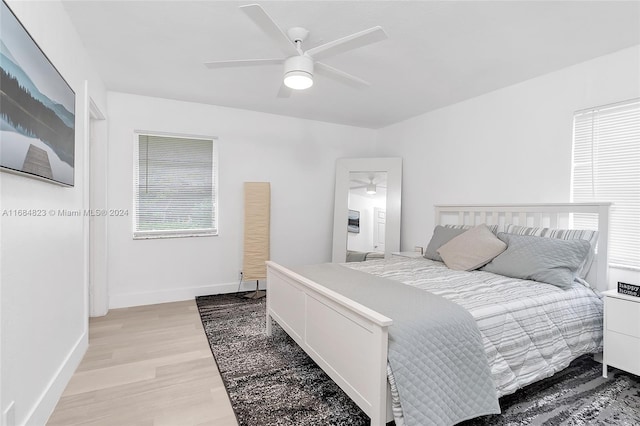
(471, 249)
(563, 234)
(548, 260)
(441, 235)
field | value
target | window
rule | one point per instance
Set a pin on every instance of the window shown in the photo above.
(606, 167)
(175, 186)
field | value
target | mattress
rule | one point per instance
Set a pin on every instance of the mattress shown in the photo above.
(530, 330)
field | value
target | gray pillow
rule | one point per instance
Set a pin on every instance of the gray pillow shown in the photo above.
(441, 236)
(548, 260)
(563, 234)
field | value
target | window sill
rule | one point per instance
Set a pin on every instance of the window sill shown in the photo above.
(624, 267)
(158, 235)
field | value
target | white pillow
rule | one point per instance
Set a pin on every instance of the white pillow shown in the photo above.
(472, 249)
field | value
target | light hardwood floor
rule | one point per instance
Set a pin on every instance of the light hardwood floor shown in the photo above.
(148, 365)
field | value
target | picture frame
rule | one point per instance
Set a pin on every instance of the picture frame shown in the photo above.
(353, 224)
(37, 108)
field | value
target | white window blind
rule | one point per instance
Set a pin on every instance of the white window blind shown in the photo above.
(175, 187)
(606, 167)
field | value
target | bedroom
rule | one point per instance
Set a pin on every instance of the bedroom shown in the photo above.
(444, 161)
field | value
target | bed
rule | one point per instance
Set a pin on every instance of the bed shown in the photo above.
(362, 256)
(348, 336)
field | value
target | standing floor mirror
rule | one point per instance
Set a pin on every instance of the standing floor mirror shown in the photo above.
(366, 219)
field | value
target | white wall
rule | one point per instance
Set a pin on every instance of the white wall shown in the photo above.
(43, 293)
(298, 158)
(508, 146)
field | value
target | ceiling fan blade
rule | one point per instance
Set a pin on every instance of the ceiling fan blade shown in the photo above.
(242, 63)
(270, 28)
(340, 76)
(350, 42)
(284, 91)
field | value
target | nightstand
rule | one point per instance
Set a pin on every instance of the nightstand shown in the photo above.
(409, 254)
(621, 332)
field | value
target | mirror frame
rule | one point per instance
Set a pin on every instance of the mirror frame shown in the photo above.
(344, 166)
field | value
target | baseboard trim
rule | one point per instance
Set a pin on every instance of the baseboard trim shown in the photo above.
(127, 300)
(42, 409)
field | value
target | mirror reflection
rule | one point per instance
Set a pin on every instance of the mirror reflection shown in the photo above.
(375, 216)
(367, 206)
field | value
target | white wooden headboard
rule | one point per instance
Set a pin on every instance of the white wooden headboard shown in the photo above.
(555, 215)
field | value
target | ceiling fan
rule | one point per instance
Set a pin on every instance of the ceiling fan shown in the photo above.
(300, 65)
(370, 187)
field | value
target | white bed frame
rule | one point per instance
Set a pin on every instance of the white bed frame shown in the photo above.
(349, 341)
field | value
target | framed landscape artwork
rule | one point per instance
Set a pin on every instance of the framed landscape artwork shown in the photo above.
(354, 221)
(37, 108)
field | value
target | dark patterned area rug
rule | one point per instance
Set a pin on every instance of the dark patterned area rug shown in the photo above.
(577, 395)
(271, 381)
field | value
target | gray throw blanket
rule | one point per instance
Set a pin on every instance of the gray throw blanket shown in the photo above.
(435, 348)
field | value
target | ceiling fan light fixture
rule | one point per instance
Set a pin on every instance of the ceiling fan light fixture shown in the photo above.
(298, 72)
(298, 80)
(371, 188)
(298, 63)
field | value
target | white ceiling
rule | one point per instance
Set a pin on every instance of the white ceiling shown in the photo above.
(438, 52)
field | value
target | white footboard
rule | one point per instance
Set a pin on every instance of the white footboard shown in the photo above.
(347, 340)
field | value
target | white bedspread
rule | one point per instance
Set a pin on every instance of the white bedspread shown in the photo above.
(530, 330)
